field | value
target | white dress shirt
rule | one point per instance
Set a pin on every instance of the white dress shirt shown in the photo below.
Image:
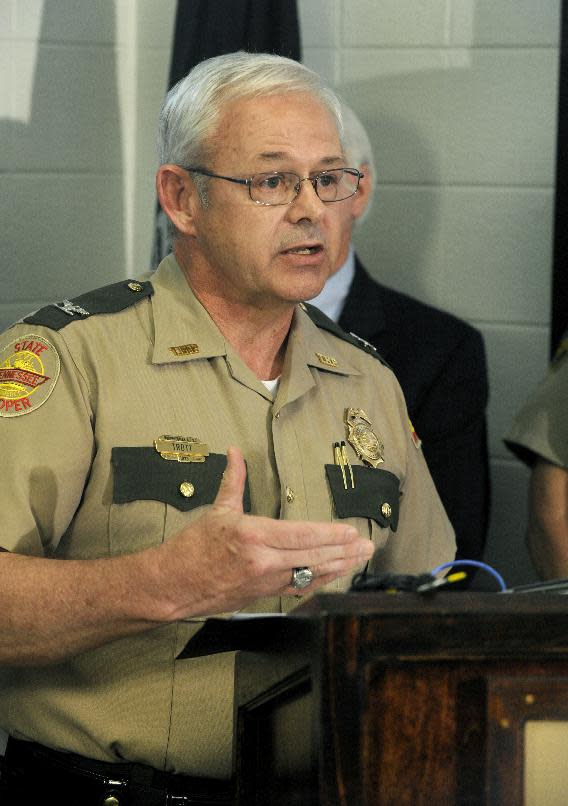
(332, 297)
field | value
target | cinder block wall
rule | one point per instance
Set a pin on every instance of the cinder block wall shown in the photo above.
(459, 97)
(61, 157)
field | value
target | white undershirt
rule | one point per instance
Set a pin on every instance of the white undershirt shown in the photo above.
(272, 386)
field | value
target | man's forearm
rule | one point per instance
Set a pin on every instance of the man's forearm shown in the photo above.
(52, 609)
(548, 520)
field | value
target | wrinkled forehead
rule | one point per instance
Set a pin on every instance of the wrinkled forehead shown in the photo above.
(283, 123)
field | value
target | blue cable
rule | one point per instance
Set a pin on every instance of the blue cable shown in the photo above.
(478, 564)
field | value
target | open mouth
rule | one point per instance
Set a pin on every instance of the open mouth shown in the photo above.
(304, 250)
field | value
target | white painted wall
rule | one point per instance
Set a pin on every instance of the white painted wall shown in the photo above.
(459, 97)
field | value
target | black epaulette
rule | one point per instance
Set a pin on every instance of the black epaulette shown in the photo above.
(108, 299)
(321, 320)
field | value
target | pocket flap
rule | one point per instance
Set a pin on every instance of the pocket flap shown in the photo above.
(375, 494)
(142, 474)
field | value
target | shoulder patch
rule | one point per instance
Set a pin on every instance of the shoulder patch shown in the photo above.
(415, 438)
(108, 299)
(29, 369)
(321, 320)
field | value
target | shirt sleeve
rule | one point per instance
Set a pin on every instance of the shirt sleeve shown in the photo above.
(425, 537)
(46, 448)
(540, 428)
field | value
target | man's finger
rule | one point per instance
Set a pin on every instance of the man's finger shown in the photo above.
(232, 487)
(347, 556)
(298, 535)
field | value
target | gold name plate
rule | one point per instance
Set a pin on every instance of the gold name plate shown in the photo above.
(181, 449)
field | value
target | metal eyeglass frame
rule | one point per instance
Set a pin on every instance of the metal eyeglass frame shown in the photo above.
(313, 179)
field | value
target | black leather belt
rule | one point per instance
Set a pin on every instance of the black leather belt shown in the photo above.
(35, 774)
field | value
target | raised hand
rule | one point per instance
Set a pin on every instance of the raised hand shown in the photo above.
(225, 559)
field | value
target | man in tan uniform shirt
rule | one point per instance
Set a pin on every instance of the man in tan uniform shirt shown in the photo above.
(115, 545)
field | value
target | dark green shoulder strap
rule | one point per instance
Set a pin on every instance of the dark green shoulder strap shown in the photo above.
(321, 320)
(108, 299)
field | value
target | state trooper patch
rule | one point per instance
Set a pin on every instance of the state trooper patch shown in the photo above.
(29, 369)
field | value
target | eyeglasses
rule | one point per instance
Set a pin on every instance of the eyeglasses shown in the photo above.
(282, 187)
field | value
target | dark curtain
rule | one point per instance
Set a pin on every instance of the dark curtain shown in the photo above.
(560, 267)
(205, 28)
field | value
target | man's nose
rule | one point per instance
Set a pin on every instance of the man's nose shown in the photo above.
(307, 203)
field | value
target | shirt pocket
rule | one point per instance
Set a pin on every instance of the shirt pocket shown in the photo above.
(371, 504)
(371, 493)
(153, 497)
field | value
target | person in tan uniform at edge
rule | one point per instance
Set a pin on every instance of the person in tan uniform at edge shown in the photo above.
(111, 553)
(538, 436)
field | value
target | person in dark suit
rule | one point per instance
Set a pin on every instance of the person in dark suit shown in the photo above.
(438, 359)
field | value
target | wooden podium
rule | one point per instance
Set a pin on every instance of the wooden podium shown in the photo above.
(364, 699)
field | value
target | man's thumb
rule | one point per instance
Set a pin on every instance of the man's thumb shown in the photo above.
(233, 482)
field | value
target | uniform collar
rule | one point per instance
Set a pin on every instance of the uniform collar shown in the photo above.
(309, 349)
(183, 330)
(316, 347)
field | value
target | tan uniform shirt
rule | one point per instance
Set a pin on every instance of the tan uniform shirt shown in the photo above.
(82, 479)
(541, 426)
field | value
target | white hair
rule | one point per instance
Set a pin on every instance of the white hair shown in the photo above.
(192, 108)
(358, 151)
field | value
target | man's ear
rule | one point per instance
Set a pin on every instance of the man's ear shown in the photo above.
(363, 195)
(178, 196)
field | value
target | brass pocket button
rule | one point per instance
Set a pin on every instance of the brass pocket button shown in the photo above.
(386, 510)
(187, 489)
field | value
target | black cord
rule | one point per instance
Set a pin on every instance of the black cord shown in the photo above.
(389, 582)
